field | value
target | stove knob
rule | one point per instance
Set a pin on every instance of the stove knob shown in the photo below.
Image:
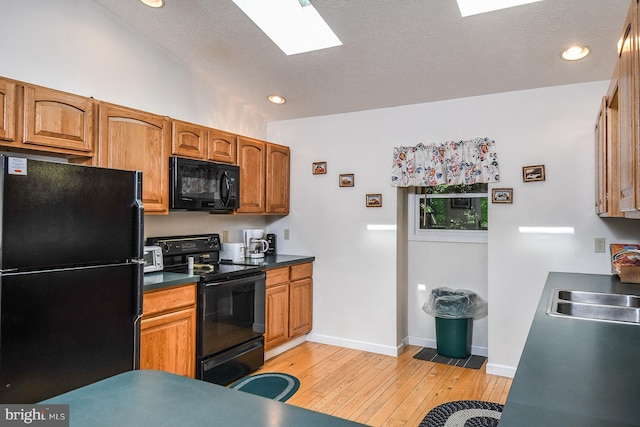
(165, 247)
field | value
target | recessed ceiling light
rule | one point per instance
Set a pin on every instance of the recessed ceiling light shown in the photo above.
(277, 99)
(293, 25)
(153, 3)
(575, 52)
(475, 7)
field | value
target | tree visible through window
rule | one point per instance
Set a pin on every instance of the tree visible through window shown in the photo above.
(454, 207)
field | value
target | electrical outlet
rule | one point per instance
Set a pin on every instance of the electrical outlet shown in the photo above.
(286, 234)
(599, 245)
(225, 236)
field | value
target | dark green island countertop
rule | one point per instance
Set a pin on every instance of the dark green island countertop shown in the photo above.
(154, 399)
(575, 372)
(165, 279)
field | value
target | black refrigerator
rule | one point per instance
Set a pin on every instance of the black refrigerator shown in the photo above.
(71, 276)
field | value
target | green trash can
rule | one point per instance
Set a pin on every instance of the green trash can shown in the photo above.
(453, 337)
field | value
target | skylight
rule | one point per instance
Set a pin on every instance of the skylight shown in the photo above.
(475, 7)
(294, 26)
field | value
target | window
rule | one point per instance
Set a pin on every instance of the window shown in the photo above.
(452, 213)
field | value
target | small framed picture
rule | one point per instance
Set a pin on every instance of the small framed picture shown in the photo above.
(319, 168)
(533, 173)
(460, 203)
(374, 200)
(346, 180)
(502, 195)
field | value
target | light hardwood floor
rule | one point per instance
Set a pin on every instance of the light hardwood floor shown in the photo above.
(380, 390)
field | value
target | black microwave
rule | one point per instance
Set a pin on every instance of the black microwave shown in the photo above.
(198, 185)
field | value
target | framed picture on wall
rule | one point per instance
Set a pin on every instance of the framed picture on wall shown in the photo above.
(374, 200)
(533, 173)
(319, 168)
(346, 180)
(502, 195)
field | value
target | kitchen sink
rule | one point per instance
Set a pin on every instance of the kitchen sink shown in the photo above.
(621, 300)
(608, 307)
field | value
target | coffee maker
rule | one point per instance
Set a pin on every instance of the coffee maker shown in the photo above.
(254, 243)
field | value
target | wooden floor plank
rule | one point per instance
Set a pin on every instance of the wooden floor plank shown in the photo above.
(380, 390)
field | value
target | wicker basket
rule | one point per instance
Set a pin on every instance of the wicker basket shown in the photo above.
(630, 274)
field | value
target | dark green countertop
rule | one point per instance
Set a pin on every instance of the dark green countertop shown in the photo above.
(275, 261)
(154, 399)
(164, 279)
(575, 372)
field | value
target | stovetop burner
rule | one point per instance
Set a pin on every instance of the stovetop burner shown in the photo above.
(205, 250)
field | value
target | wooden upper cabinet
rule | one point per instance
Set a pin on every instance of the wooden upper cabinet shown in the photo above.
(188, 140)
(136, 140)
(252, 159)
(60, 121)
(8, 111)
(221, 146)
(627, 112)
(277, 182)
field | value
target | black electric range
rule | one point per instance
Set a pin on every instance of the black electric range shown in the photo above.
(205, 250)
(230, 309)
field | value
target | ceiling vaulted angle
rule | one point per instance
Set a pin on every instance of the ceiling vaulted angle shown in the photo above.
(294, 26)
(475, 7)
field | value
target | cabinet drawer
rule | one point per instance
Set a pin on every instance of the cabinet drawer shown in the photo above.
(301, 271)
(277, 276)
(168, 299)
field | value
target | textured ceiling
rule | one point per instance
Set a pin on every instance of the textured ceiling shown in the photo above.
(395, 52)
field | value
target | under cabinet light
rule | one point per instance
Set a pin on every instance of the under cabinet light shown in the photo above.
(547, 230)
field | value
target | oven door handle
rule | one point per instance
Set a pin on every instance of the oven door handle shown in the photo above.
(240, 281)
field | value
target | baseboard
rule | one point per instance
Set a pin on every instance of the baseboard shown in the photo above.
(357, 345)
(284, 347)
(501, 370)
(431, 343)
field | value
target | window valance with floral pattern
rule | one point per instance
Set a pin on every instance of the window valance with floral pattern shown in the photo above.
(451, 163)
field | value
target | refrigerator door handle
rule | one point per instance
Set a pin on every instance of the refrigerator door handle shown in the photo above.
(138, 217)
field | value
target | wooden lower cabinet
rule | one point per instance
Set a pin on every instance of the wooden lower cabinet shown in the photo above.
(168, 330)
(289, 303)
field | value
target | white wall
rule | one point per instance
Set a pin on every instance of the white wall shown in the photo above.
(354, 276)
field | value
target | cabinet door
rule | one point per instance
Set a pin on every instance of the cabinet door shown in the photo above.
(8, 111)
(277, 185)
(301, 307)
(221, 146)
(251, 159)
(627, 111)
(167, 342)
(277, 315)
(188, 140)
(135, 140)
(58, 120)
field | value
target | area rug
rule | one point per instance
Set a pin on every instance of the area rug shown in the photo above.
(464, 413)
(431, 354)
(273, 385)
